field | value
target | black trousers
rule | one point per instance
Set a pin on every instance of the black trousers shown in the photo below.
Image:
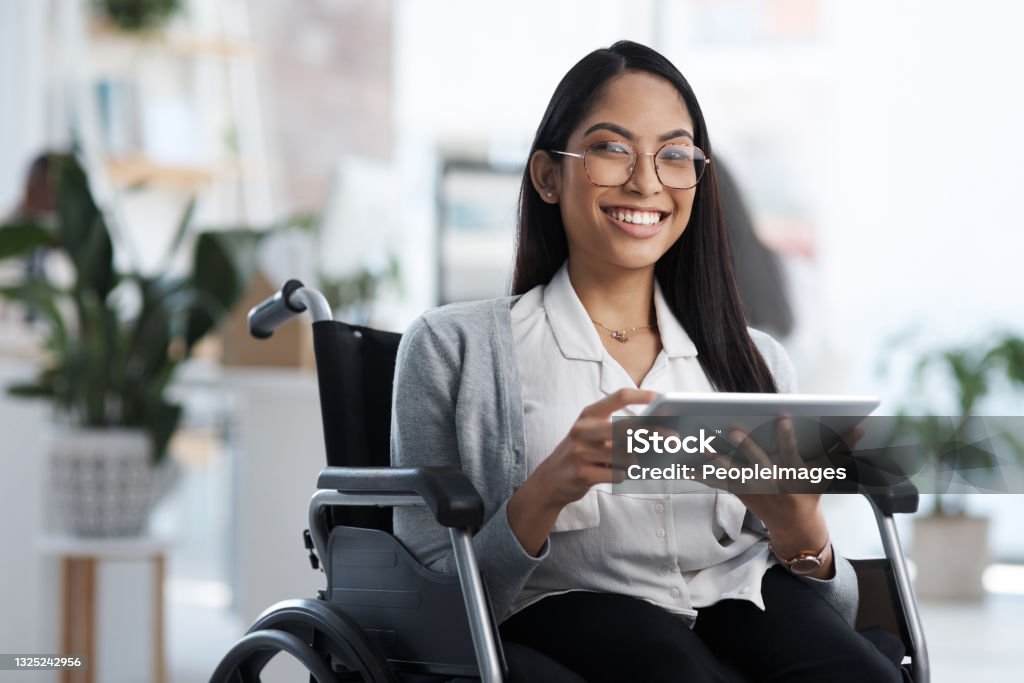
(598, 637)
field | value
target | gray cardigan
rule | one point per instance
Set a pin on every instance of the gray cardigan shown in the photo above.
(457, 402)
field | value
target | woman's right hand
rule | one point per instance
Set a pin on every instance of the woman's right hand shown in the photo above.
(583, 458)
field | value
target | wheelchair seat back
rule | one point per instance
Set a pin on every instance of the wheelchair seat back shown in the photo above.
(355, 371)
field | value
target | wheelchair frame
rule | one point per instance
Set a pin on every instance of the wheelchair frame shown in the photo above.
(317, 633)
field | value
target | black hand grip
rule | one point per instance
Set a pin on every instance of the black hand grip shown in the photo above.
(265, 316)
(902, 497)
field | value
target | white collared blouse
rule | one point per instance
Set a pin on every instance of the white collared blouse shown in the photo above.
(680, 552)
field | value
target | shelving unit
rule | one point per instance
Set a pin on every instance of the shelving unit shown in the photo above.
(162, 116)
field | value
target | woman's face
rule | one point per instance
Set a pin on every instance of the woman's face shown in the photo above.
(633, 225)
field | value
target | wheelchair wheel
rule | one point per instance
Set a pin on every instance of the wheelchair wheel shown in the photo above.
(309, 630)
(245, 661)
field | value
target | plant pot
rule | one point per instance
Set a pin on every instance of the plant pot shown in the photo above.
(103, 480)
(950, 553)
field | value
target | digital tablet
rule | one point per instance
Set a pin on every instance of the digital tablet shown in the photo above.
(820, 420)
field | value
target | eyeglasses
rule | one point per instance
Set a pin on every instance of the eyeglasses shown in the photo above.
(610, 164)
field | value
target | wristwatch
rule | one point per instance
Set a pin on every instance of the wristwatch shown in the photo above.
(806, 561)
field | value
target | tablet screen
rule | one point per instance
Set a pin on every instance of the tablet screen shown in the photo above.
(820, 420)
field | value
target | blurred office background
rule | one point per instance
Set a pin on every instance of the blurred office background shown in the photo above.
(380, 143)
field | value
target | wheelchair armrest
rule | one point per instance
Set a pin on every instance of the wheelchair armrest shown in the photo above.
(446, 490)
(902, 497)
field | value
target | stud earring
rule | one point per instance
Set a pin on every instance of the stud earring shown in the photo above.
(551, 194)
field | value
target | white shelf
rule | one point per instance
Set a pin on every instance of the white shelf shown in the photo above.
(188, 44)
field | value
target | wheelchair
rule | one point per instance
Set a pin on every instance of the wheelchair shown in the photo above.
(384, 617)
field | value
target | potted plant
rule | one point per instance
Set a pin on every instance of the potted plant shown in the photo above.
(355, 293)
(138, 15)
(961, 450)
(113, 340)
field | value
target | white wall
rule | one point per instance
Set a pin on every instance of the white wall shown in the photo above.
(24, 119)
(29, 582)
(921, 221)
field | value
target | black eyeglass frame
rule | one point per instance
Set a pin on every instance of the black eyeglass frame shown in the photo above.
(636, 155)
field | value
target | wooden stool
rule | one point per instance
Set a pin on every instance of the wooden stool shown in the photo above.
(79, 558)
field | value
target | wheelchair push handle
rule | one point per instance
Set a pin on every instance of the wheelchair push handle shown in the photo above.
(293, 299)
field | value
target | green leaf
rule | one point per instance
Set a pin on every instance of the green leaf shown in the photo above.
(179, 235)
(139, 15)
(970, 376)
(162, 419)
(42, 298)
(147, 349)
(1009, 355)
(1015, 444)
(95, 369)
(96, 260)
(224, 262)
(82, 229)
(30, 390)
(76, 210)
(304, 221)
(18, 238)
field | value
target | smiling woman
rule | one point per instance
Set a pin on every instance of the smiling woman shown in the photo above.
(622, 290)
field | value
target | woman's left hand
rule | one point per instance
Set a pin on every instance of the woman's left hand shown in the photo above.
(790, 510)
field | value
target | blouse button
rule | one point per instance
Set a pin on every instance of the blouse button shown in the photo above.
(675, 592)
(659, 508)
(661, 533)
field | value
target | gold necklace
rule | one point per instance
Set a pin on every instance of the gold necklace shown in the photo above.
(623, 335)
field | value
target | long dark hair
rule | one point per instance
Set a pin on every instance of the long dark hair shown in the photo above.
(695, 274)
